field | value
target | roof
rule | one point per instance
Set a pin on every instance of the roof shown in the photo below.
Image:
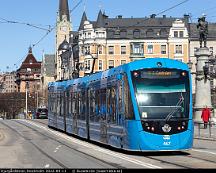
(30, 62)
(158, 26)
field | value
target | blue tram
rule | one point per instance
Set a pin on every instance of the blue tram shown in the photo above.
(144, 105)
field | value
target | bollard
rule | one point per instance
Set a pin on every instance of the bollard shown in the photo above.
(199, 129)
(209, 129)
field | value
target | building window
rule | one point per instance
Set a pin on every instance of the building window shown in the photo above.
(123, 50)
(211, 50)
(163, 49)
(175, 33)
(100, 50)
(150, 49)
(137, 49)
(150, 33)
(111, 34)
(111, 64)
(111, 50)
(163, 32)
(178, 49)
(123, 62)
(100, 65)
(123, 33)
(136, 33)
(181, 34)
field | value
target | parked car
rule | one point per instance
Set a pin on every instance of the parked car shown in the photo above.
(42, 113)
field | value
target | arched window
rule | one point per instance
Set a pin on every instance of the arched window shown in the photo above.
(150, 33)
(136, 33)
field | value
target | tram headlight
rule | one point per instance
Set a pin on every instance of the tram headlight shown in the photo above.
(183, 73)
(179, 128)
(152, 129)
(136, 74)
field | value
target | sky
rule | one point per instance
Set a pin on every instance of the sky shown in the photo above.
(15, 38)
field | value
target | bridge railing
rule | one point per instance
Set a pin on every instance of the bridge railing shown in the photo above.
(200, 131)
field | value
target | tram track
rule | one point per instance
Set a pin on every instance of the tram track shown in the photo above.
(38, 148)
(146, 155)
(66, 145)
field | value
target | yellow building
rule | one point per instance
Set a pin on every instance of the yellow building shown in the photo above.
(111, 42)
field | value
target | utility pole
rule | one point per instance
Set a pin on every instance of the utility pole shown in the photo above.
(27, 86)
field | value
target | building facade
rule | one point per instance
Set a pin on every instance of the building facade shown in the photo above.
(7, 82)
(47, 75)
(111, 42)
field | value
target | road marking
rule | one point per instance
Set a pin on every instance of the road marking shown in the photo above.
(202, 151)
(118, 155)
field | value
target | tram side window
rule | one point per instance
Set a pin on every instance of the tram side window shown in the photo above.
(92, 103)
(129, 113)
(66, 104)
(83, 105)
(62, 104)
(120, 106)
(54, 103)
(111, 104)
(74, 103)
(69, 103)
(102, 107)
(58, 104)
(97, 106)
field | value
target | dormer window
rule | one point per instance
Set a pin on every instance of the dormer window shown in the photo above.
(123, 33)
(150, 33)
(136, 33)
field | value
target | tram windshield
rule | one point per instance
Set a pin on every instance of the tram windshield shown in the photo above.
(162, 94)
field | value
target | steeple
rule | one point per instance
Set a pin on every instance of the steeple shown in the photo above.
(64, 9)
(100, 20)
(84, 18)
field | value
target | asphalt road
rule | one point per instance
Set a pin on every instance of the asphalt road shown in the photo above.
(31, 144)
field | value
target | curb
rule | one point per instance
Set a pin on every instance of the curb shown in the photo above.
(205, 138)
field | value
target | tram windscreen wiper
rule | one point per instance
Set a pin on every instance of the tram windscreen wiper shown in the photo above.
(170, 115)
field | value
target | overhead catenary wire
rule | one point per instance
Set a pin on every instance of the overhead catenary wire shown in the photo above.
(47, 33)
(24, 23)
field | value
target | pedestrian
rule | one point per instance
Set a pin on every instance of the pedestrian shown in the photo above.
(205, 116)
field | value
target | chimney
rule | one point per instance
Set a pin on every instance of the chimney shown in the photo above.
(186, 17)
(119, 16)
(153, 16)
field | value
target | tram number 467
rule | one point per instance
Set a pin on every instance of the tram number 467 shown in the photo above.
(166, 143)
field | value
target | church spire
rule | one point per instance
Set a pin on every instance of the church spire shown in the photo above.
(64, 9)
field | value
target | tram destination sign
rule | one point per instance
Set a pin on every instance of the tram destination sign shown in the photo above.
(156, 74)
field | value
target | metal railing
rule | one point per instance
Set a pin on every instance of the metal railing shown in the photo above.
(207, 131)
